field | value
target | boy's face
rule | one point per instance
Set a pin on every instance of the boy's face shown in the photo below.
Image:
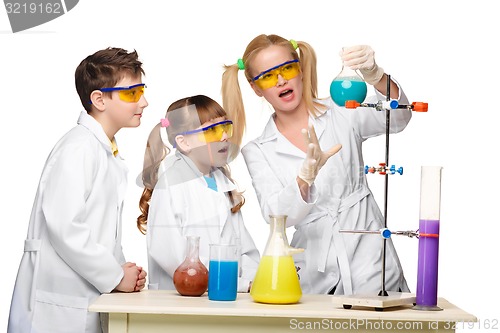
(119, 113)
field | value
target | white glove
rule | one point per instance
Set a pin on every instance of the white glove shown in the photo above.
(315, 158)
(362, 57)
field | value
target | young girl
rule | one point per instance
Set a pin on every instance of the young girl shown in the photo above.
(320, 190)
(191, 193)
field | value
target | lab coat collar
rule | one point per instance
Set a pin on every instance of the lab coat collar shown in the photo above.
(95, 127)
(224, 184)
(270, 131)
(283, 146)
(185, 165)
(321, 120)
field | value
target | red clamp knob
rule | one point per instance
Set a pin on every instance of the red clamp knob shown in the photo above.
(420, 106)
(351, 104)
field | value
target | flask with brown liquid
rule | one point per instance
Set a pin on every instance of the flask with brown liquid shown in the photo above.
(191, 277)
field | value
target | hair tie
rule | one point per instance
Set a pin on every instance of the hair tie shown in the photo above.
(164, 122)
(241, 64)
(294, 44)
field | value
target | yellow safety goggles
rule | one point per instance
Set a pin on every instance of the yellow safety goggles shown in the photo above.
(130, 94)
(214, 132)
(269, 78)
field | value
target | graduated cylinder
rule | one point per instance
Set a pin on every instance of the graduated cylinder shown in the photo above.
(428, 245)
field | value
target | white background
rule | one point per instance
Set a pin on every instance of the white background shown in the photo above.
(443, 53)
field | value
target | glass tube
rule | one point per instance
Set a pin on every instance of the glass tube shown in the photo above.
(428, 244)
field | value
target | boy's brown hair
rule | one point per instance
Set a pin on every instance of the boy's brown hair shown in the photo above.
(104, 69)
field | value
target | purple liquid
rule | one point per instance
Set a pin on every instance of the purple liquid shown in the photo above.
(427, 275)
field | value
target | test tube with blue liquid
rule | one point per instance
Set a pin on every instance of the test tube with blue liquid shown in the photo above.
(348, 86)
(428, 243)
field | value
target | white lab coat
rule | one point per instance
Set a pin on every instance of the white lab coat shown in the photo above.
(183, 205)
(339, 199)
(73, 251)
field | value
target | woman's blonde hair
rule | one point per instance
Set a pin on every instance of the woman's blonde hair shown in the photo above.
(231, 93)
(189, 113)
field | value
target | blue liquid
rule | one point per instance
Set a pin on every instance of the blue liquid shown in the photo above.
(345, 89)
(222, 280)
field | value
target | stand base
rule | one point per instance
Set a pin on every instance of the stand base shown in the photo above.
(427, 308)
(379, 303)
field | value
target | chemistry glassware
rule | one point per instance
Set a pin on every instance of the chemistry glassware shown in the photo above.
(428, 242)
(223, 276)
(276, 280)
(191, 277)
(347, 86)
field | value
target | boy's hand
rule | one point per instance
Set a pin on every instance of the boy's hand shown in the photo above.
(131, 275)
(141, 279)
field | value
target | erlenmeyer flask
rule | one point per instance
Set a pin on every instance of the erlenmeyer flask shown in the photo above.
(276, 280)
(347, 86)
(191, 277)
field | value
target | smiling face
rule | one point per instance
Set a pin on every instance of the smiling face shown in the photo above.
(286, 95)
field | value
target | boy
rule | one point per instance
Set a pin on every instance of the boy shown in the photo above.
(73, 252)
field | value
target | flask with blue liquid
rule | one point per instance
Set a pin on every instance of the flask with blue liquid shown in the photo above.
(348, 86)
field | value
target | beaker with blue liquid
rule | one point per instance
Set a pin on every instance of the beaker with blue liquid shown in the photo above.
(348, 86)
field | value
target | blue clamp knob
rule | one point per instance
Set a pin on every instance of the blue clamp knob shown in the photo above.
(394, 104)
(393, 170)
(385, 233)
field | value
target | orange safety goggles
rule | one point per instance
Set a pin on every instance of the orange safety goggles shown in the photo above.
(214, 132)
(269, 78)
(131, 94)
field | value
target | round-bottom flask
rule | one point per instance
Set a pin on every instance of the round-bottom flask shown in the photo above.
(347, 86)
(191, 277)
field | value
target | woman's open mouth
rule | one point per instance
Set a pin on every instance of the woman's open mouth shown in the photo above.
(286, 92)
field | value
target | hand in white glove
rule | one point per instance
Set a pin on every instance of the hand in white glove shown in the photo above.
(362, 57)
(315, 158)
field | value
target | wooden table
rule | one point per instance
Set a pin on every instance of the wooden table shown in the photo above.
(166, 311)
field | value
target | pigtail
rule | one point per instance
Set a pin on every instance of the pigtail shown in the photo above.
(232, 102)
(142, 220)
(298, 50)
(154, 154)
(235, 197)
(310, 78)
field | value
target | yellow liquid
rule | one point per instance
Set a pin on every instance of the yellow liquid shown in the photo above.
(276, 281)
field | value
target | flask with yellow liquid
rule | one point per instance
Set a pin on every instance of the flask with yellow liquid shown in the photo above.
(276, 280)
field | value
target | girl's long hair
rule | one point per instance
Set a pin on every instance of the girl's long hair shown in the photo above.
(232, 100)
(189, 113)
